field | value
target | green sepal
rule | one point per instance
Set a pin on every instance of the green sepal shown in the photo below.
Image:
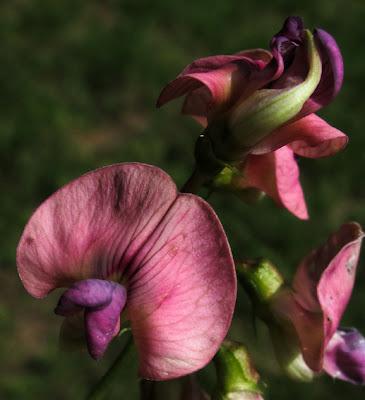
(236, 375)
(260, 278)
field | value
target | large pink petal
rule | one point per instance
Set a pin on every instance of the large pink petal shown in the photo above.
(182, 290)
(277, 174)
(310, 137)
(323, 286)
(93, 227)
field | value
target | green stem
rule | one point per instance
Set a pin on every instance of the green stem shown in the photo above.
(194, 183)
(101, 391)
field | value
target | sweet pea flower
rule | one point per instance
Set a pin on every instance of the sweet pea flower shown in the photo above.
(257, 108)
(125, 244)
(303, 319)
(322, 288)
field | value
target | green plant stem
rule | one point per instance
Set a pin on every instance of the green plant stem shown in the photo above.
(101, 391)
(194, 183)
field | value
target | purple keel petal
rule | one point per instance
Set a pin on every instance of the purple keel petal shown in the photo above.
(103, 301)
(182, 291)
(90, 293)
(103, 324)
(345, 356)
(323, 284)
(93, 227)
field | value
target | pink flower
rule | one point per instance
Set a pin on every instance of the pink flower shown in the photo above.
(258, 108)
(121, 239)
(321, 290)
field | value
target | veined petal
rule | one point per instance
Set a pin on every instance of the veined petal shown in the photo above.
(126, 223)
(345, 356)
(323, 285)
(277, 174)
(182, 290)
(224, 82)
(93, 227)
(310, 137)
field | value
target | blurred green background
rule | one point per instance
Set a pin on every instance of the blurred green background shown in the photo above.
(78, 85)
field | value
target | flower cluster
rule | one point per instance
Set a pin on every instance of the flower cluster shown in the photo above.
(127, 247)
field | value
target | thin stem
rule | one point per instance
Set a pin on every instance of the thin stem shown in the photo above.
(194, 183)
(101, 391)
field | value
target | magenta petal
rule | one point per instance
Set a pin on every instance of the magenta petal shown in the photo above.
(277, 174)
(345, 356)
(93, 227)
(182, 291)
(323, 285)
(332, 73)
(224, 83)
(310, 137)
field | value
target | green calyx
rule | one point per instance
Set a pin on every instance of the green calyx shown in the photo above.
(260, 278)
(231, 179)
(268, 109)
(288, 353)
(274, 303)
(235, 373)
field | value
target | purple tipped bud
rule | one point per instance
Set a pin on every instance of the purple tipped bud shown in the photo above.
(345, 356)
(289, 36)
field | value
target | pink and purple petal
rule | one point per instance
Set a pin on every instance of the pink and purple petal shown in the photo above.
(224, 83)
(310, 137)
(277, 174)
(345, 356)
(93, 227)
(323, 285)
(182, 291)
